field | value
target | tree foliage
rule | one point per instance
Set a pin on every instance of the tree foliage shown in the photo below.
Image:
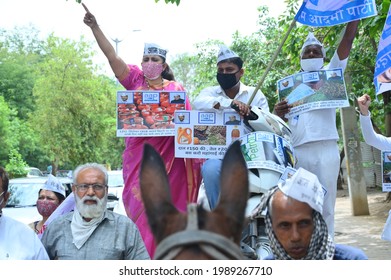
(5, 130)
(54, 107)
(75, 110)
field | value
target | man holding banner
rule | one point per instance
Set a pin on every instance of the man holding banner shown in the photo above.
(314, 133)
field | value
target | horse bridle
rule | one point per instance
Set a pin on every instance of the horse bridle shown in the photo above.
(215, 245)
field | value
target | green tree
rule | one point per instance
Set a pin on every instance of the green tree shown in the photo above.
(19, 52)
(75, 113)
(16, 166)
(5, 131)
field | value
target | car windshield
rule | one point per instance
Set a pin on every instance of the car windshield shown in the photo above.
(23, 194)
(115, 179)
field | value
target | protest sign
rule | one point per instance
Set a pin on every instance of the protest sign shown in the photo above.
(267, 151)
(147, 113)
(331, 12)
(205, 134)
(307, 91)
(386, 170)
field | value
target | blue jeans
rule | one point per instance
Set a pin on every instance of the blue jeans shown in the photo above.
(210, 171)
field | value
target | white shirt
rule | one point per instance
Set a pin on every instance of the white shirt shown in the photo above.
(19, 242)
(372, 138)
(319, 124)
(210, 96)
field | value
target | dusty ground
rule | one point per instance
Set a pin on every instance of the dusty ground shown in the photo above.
(363, 231)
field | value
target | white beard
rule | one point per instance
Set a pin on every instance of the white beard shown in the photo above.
(91, 211)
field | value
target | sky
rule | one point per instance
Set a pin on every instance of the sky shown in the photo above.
(133, 22)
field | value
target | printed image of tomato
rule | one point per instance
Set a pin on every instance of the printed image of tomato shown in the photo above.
(170, 110)
(149, 120)
(146, 113)
(196, 141)
(165, 103)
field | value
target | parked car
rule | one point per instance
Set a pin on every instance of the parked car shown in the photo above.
(64, 173)
(116, 186)
(21, 204)
(34, 172)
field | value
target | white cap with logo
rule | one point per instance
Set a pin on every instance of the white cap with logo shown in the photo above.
(154, 49)
(54, 185)
(225, 53)
(311, 40)
(304, 186)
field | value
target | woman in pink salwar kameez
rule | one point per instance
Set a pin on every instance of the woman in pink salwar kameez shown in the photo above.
(184, 174)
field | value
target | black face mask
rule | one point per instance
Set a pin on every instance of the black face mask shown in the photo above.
(227, 81)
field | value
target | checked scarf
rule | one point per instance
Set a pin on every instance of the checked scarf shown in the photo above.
(321, 245)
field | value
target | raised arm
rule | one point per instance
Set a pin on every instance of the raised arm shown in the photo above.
(363, 103)
(372, 138)
(118, 66)
(347, 40)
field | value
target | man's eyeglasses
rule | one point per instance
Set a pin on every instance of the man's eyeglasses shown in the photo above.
(82, 188)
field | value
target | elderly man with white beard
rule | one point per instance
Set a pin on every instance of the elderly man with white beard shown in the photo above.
(91, 232)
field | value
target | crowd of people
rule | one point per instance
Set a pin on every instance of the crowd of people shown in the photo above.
(297, 228)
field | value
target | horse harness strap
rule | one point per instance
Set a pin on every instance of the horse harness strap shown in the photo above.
(215, 245)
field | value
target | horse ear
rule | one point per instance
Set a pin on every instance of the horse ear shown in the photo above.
(234, 185)
(155, 189)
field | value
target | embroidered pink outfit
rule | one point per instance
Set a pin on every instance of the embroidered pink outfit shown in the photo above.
(184, 174)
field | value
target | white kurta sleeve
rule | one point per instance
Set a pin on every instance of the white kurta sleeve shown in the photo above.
(372, 138)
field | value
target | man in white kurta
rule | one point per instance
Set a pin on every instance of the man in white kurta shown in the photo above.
(230, 91)
(17, 240)
(314, 133)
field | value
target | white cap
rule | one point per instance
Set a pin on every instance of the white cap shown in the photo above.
(311, 40)
(304, 186)
(154, 49)
(225, 53)
(54, 185)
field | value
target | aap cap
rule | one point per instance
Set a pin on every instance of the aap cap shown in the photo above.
(154, 49)
(225, 53)
(304, 186)
(311, 40)
(54, 185)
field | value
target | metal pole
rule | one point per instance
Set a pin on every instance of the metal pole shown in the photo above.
(271, 62)
(116, 41)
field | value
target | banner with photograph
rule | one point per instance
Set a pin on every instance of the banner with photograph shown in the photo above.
(307, 91)
(205, 134)
(386, 170)
(147, 113)
(267, 151)
(319, 13)
(382, 75)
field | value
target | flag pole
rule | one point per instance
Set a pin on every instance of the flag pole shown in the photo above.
(271, 62)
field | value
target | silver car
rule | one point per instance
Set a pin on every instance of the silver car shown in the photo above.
(116, 187)
(21, 204)
(34, 172)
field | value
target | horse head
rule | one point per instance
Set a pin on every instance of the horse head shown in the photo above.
(197, 234)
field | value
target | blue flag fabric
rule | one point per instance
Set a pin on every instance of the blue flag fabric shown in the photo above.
(320, 13)
(382, 76)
